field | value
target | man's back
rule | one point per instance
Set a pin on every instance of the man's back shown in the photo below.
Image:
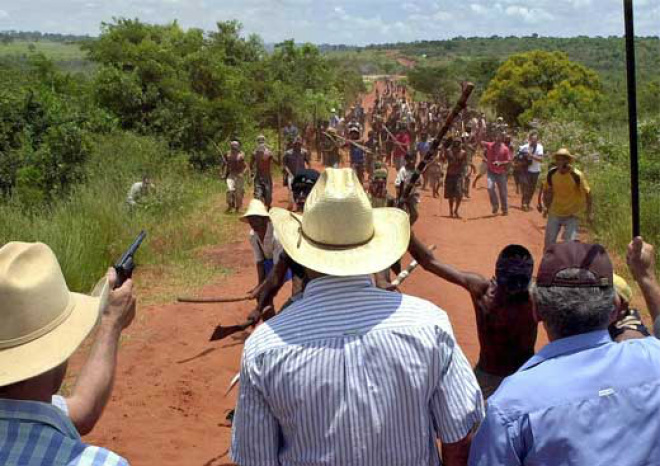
(353, 375)
(581, 400)
(39, 434)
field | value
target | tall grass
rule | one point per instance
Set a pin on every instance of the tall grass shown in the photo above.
(92, 227)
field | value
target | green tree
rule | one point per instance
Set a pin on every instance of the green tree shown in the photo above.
(439, 82)
(541, 85)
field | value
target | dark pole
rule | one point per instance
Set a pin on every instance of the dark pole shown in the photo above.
(632, 114)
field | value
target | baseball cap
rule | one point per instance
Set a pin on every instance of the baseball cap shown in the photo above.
(575, 255)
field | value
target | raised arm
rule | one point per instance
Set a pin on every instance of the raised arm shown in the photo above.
(95, 382)
(641, 261)
(472, 282)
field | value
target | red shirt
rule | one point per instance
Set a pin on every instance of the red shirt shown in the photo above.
(497, 153)
(403, 139)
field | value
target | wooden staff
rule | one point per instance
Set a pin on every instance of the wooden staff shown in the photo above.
(230, 299)
(359, 146)
(460, 105)
(403, 276)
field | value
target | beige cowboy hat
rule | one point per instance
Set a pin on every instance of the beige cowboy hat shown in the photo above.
(41, 322)
(563, 152)
(256, 208)
(339, 232)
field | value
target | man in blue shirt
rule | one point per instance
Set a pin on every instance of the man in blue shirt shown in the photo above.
(582, 400)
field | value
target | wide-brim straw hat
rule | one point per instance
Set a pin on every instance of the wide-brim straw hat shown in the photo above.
(563, 152)
(42, 323)
(256, 208)
(339, 232)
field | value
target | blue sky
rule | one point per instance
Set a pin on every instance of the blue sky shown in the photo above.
(344, 21)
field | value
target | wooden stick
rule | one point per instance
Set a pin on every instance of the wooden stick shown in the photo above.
(231, 299)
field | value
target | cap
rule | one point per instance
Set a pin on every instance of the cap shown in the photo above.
(575, 255)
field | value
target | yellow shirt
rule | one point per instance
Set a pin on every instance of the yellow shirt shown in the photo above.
(568, 199)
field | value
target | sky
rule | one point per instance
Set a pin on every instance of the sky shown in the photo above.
(352, 22)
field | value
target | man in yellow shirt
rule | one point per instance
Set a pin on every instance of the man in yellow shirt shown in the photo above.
(570, 194)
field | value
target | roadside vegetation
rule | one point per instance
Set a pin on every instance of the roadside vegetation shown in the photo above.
(156, 100)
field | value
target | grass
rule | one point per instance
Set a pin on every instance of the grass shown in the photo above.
(56, 51)
(92, 227)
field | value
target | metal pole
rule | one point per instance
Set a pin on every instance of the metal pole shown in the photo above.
(632, 114)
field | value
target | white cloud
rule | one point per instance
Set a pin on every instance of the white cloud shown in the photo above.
(344, 21)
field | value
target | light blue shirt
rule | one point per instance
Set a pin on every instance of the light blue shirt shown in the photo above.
(355, 376)
(581, 401)
(40, 434)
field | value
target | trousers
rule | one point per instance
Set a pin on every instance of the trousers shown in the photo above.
(497, 187)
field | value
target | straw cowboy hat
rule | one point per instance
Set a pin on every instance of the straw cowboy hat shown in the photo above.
(340, 233)
(563, 152)
(256, 208)
(41, 322)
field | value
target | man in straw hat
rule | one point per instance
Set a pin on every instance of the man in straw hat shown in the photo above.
(582, 399)
(265, 247)
(42, 325)
(570, 192)
(351, 374)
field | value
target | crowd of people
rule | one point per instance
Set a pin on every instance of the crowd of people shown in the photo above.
(351, 370)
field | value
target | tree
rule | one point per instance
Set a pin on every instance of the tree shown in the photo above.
(541, 85)
(436, 81)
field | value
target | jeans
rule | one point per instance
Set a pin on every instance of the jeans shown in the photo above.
(529, 187)
(497, 184)
(555, 223)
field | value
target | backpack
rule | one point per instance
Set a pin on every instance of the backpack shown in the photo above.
(574, 175)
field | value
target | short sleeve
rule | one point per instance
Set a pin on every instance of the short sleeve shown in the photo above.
(539, 150)
(457, 404)
(256, 432)
(494, 442)
(400, 177)
(256, 247)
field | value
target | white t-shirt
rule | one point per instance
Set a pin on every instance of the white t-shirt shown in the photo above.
(535, 166)
(134, 193)
(268, 250)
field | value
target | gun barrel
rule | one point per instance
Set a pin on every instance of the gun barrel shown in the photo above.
(133, 248)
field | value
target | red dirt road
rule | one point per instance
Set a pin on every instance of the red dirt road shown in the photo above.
(168, 406)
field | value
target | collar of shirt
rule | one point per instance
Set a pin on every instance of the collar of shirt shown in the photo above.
(568, 345)
(39, 413)
(336, 285)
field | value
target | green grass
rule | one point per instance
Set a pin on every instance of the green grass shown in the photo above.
(92, 227)
(56, 51)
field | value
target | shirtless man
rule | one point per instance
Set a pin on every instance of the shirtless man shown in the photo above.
(236, 168)
(261, 167)
(505, 323)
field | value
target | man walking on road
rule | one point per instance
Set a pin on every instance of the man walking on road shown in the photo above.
(505, 321)
(569, 193)
(498, 157)
(236, 168)
(261, 167)
(583, 399)
(533, 151)
(351, 374)
(295, 160)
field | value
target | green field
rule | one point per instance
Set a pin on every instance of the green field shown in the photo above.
(56, 51)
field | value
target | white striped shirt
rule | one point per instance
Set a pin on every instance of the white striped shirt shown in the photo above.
(353, 375)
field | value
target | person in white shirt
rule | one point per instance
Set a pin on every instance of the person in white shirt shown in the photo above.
(534, 151)
(265, 246)
(138, 190)
(403, 178)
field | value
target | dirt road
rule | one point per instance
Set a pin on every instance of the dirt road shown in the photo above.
(168, 406)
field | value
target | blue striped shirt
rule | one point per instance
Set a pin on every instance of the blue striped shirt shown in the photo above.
(353, 375)
(40, 434)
